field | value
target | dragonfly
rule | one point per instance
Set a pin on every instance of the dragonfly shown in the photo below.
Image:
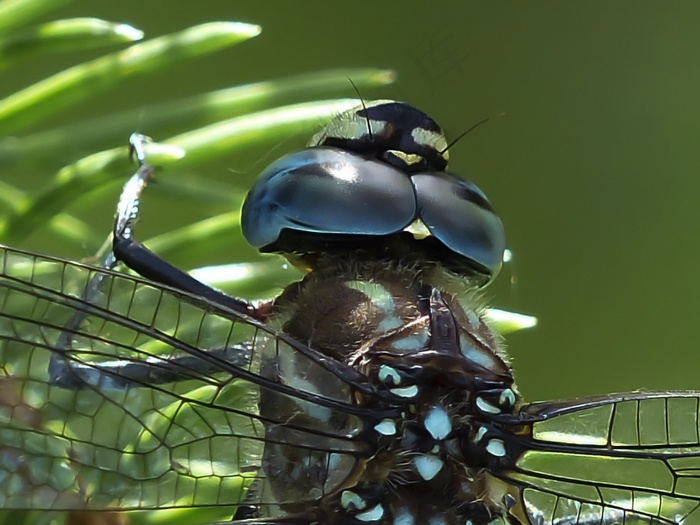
(372, 391)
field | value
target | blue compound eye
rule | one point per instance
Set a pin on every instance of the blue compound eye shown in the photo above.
(367, 196)
(459, 215)
(326, 191)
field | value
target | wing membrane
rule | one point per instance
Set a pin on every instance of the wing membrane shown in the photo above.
(150, 401)
(632, 458)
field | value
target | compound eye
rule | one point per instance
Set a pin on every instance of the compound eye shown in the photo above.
(327, 191)
(460, 216)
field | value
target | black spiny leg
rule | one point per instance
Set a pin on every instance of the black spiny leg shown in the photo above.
(146, 263)
(68, 373)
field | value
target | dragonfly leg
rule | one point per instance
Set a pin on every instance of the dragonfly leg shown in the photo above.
(146, 263)
(117, 375)
(125, 249)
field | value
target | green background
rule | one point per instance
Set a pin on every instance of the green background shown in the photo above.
(593, 165)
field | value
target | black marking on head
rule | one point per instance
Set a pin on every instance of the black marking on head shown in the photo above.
(394, 132)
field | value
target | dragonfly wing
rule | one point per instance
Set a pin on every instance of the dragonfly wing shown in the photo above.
(89, 419)
(630, 458)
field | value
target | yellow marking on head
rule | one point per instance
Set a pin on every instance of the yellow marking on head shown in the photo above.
(418, 229)
(349, 125)
(430, 138)
(408, 158)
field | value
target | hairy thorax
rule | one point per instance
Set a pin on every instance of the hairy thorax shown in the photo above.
(429, 359)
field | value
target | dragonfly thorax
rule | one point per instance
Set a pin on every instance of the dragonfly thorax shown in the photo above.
(431, 363)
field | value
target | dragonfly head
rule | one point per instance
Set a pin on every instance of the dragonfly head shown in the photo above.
(374, 182)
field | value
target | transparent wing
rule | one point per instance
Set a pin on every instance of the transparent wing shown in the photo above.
(630, 458)
(152, 400)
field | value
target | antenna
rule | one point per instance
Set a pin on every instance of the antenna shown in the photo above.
(362, 101)
(464, 133)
